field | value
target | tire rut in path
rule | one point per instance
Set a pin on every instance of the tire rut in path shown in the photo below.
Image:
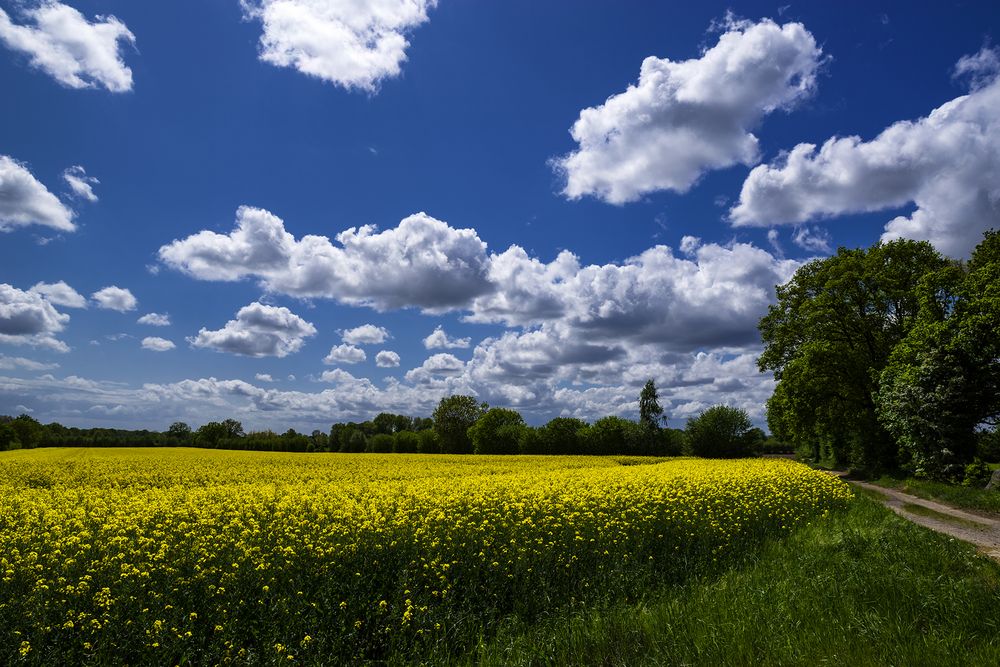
(982, 531)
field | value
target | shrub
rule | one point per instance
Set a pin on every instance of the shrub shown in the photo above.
(498, 431)
(406, 442)
(721, 432)
(977, 474)
(380, 443)
(428, 442)
(561, 436)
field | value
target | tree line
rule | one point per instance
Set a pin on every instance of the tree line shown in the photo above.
(460, 425)
(889, 358)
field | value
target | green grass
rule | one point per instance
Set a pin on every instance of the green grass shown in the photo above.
(958, 496)
(861, 587)
(913, 508)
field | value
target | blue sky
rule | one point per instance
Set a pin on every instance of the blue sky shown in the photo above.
(580, 195)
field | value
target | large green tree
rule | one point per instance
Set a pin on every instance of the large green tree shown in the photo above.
(721, 431)
(827, 340)
(452, 419)
(498, 431)
(942, 381)
(28, 429)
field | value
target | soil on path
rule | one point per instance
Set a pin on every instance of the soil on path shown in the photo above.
(982, 531)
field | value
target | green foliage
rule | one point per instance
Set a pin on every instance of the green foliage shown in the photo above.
(357, 442)
(386, 422)
(428, 442)
(828, 338)
(180, 432)
(380, 443)
(943, 379)
(976, 474)
(650, 412)
(29, 431)
(406, 442)
(8, 438)
(722, 431)
(613, 435)
(452, 419)
(560, 436)
(988, 445)
(498, 431)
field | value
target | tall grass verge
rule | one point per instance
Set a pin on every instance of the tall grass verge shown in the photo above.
(861, 587)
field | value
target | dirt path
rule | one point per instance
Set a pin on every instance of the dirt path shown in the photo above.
(981, 531)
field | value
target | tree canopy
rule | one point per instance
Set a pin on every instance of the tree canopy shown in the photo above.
(828, 338)
(452, 419)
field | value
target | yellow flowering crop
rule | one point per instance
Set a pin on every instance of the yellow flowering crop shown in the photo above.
(163, 556)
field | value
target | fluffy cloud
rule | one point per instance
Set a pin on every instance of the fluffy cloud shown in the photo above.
(684, 118)
(27, 318)
(713, 297)
(68, 47)
(115, 298)
(60, 294)
(421, 263)
(264, 377)
(81, 184)
(436, 366)
(258, 331)
(387, 359)
(350, 43)
(439, 339)
(947, 164)
(157, 344)
(366, 334)
(345, 354)
(25, 201)
(155, 319)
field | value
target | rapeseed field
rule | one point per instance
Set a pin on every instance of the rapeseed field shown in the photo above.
(165, 556)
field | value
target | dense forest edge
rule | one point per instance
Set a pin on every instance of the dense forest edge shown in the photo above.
(460, 425)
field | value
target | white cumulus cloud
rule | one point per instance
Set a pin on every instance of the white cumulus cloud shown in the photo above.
(25, 201)
(60, 294)
(155, 319)
(27, 318)
(366, 334)
(422, 262)
(264, 377)
(345, 354)
(354, 44)
(684, 118)
(439, 339)
(115, 298)
(947, 164)
(387, 359)
(157, 344)
(714, 295)
(436, 366)
(258, 331)
(76, 52)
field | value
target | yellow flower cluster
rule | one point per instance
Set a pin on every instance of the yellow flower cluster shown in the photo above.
(161, 555)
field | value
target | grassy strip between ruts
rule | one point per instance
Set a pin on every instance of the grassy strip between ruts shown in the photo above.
(965, 497)
(861, 587)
